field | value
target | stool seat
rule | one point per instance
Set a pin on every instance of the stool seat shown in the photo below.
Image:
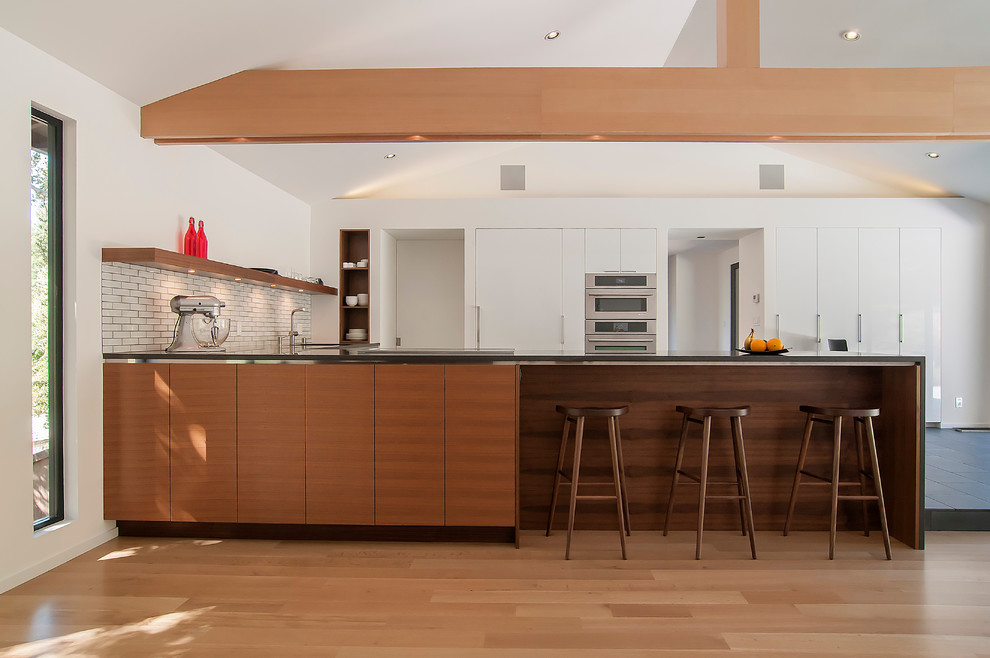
(703, 416)
(840, 411)
(592, 412)
(577, 416)
(714, 412)
(862, 419)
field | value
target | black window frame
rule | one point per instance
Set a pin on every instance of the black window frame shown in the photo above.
(56, 463)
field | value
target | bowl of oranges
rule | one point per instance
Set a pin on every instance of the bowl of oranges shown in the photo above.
(762, 346)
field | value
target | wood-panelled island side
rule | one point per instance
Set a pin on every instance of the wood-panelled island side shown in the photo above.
(462, 444)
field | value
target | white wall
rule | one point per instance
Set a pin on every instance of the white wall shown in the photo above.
(700, 299)
(965, 248)
(121, 190)
(429, 309)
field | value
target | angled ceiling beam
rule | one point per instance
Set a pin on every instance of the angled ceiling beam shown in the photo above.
(573, 104)
(738, 35)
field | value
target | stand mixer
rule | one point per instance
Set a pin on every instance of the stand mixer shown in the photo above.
(199, 327)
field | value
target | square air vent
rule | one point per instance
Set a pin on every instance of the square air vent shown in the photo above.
(513, 177)
(771, 177)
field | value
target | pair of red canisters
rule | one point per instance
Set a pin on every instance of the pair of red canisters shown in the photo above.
(194, 244)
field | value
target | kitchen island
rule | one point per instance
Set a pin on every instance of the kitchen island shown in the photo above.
(465, 436)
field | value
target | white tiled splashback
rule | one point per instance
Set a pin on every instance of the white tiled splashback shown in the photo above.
(136, 314)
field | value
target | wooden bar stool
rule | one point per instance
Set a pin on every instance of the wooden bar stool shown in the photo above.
(703, 416)
(862, 419)
(577, 415)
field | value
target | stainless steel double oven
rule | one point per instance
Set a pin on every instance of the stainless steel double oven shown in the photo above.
(620, 313)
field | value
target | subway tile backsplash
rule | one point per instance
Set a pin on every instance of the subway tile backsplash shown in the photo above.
(136, 314)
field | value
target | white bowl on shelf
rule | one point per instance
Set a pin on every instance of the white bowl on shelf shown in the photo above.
(362, 298)
(351, 300)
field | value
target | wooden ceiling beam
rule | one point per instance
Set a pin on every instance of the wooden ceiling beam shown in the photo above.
(575, 104)
(738, 33)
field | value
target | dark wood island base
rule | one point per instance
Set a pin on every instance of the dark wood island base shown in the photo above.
(772, 434)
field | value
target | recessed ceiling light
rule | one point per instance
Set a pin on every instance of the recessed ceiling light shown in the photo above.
(191, 271)
(550, 36)
(389, 156)
(237, 278)
(851, 35)
(932, 154)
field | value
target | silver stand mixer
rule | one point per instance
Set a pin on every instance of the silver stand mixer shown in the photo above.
(197, 328)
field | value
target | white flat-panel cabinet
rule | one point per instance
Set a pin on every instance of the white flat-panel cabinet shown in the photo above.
(519, 283)
(621, 250)
(838, 286)
(797, 285)
(637, 250)
(572, 288)
(879, 295)
(921, 308)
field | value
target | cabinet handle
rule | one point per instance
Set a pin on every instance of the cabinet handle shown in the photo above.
(561, 329)
(818, 338)
(900, 328)
(477, 324)
(859, 328)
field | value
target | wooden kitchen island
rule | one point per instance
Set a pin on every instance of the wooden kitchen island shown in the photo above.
(451, 445)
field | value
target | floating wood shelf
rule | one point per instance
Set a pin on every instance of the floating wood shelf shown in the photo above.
(175, 262)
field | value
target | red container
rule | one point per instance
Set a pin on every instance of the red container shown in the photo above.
(201, 241)
(189, 243)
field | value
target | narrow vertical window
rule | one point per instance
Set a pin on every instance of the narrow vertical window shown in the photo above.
(46, 317)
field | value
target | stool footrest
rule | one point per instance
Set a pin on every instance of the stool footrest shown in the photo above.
(725, 496)
(858, 497)
(594, 497)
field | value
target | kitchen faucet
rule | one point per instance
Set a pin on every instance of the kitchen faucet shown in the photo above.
(292, 328)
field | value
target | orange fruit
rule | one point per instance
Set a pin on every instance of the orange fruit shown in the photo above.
(758, 345)
(775, 344)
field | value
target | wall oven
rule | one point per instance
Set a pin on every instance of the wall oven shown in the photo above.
(620, 297)
(603, 336)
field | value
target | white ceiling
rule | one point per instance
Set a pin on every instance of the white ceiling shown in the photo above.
(146, 51)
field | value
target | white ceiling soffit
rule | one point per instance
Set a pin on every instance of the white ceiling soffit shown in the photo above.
(895, 33)
(565, 169)
(146, 51)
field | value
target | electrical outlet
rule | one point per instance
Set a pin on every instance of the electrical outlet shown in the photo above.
(959, 403)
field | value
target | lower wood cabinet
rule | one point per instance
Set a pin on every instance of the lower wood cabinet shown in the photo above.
(340, 444)
(203, 442)
(271, 443)
(135, 442)
(480, 445)
(409, 445)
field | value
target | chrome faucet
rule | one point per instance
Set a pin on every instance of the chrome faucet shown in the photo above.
(292, 328)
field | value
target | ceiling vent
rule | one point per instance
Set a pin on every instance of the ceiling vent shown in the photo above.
(513, 177)
(771, 177)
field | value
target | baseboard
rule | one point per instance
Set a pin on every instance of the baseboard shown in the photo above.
(36, 570)
(957, 519)
(314, 532)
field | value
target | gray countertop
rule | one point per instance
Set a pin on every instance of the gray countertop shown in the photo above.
(522, 357)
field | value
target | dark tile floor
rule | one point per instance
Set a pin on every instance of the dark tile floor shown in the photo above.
(957, 469)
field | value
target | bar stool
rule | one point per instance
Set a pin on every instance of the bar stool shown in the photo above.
(577, 415)
(862, 419)
(703, 416)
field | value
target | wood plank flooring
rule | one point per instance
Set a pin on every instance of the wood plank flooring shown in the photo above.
(166, 597)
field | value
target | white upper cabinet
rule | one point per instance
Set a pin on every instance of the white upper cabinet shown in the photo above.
(621, 250)
(838, 286)
(879, 302)
(797, 286)
(529, 287)
(921, 308)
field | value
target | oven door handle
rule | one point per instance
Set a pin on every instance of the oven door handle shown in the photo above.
(622, 293)
(620, 340)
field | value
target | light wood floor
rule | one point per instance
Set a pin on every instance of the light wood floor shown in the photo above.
(160, 597)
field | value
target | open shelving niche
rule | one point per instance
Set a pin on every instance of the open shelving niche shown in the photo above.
(176, 262)
(355, 244)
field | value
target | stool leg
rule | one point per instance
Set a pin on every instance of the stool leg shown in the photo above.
(797, 473)
(836, 442)
(556, 475)
(705, 440)
(741, 452)
(739, 487)
(677, 470)
(861, 462)
(622, 475)
(619, 507)
(578, 436)
(871, 442)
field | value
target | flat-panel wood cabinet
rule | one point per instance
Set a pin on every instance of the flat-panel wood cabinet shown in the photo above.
(203, 442)
(340, 444)
(480, 447)
(797, 287)
(620, 250)
(135, 442)
(271, 443)
(409, 451)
